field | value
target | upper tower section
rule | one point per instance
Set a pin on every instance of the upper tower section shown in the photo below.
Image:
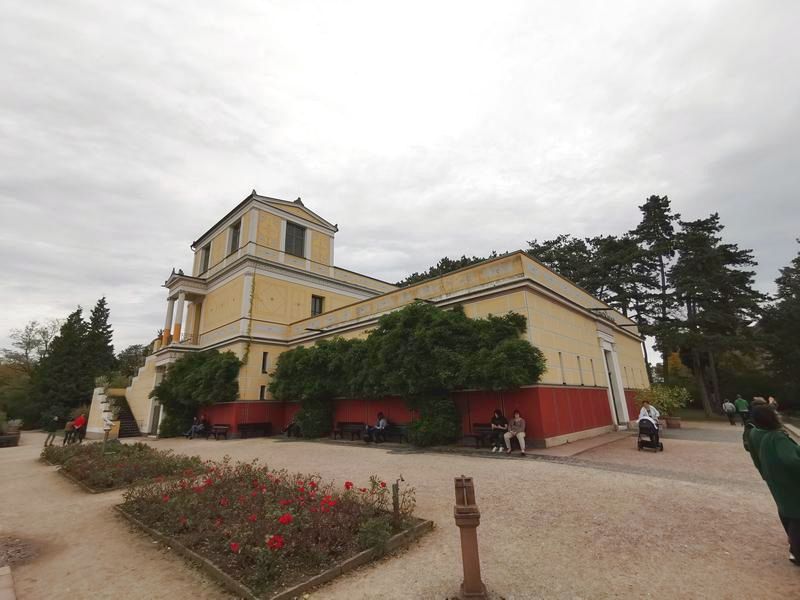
(276, 230)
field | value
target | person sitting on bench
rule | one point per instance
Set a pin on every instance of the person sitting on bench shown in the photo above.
(198, 427)
(499, 428)
(373, 432)
(516, 428)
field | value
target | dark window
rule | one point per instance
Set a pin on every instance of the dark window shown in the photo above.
(295, 239)
(233, 237)
(264, 361)
(205, 255)
(262, 392)
(316, 305)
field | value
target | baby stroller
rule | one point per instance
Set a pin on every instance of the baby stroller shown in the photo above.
(648, 436)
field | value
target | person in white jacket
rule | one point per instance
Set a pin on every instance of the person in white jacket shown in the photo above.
(649, 412)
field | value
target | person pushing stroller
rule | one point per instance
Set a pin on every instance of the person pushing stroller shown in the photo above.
(648, 426)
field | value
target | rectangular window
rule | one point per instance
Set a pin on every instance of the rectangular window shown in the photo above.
(295, 239)
(580, 369)
(233, 237)
(262, 392)
(316, 305)
(205, 256)
(594, 377)
(264, 361)
(561, 365)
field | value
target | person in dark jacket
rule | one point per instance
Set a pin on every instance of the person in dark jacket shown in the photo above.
(499, 427)
(50, 425)
(779, 465)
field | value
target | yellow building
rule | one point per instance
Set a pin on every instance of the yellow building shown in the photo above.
(264, 280)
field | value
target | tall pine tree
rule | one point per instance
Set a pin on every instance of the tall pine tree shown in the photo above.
(656, 235)
(99, 348)
(63, 376)
(781, 331)
(714, 287)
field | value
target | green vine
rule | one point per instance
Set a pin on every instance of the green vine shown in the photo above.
(248, 333)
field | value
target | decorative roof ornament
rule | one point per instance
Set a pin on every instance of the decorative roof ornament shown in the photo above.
(299, 201)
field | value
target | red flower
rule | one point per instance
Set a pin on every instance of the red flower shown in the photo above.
(285, 502)
(217, 521)
(285, 519)
(165, 498)
(275, 542)
(312, 485)
(208, 482)
(383, 484)
(363, 490)
(224, 502)
(183, 520)
(254, 493)
(252, 518)
(348, 485)
(235, 547)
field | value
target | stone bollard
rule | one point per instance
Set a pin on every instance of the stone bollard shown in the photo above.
(468, 517)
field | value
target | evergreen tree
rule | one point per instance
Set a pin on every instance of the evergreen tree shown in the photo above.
(444, 266)
(717, 299)
(781, 329)
(63, 376)
(574, 258)
(656, 235)
(131, 359)
(99, 348)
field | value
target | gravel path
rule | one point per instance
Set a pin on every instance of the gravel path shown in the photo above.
(694, 522)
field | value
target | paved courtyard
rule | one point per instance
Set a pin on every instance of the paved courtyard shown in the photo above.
(694, 521)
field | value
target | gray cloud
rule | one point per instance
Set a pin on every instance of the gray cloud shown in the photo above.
(423, 130)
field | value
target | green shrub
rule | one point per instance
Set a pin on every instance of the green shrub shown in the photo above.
(438, 423)
(375, 533)
(315, 418)
(666, 398)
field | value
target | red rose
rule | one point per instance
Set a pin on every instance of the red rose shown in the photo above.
(383, 484)
(285, 519)
(363, 490)
(165, 498)
(312, 485)
(235, 547)
(285, 502)
(348, 485)
(275, 542)
(252, 518)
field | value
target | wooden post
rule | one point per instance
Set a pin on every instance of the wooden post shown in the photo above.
(468, 517)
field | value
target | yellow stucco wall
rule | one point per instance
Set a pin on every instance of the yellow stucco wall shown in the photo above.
(320, 247)
(137, 394)
(218, 248)
(250, 376)
(631, 362)
(222, 305)
(285, 302)
(269, 230)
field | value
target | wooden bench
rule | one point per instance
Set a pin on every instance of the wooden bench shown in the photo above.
(481, 432)
(10, 439)
(393, 431)
(247, 430)
(349, 427)
(219, 430)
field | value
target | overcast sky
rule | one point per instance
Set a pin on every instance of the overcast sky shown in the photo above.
(423, 129)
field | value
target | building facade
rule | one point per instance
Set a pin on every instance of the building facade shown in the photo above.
(264, 281)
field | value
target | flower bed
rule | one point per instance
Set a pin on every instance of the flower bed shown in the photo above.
(267, 529)
(120, 466)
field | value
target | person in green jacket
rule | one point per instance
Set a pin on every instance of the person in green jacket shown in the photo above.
(746, 436)
(779, 465)
(743, 408)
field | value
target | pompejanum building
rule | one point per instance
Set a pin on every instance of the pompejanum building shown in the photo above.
(264, 281)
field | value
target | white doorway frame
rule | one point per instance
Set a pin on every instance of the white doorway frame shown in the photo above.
(615, 386)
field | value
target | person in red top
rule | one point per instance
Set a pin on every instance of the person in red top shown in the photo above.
(80, 427)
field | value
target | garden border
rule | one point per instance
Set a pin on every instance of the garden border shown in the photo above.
(395, 543)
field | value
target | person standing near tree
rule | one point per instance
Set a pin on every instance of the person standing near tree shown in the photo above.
(779, 465)
(730, 411)
(50, 425)
(743, 408)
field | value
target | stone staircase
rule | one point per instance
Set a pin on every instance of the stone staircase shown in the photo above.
(127, 424)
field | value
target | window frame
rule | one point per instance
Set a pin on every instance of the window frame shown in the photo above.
(264, 362)
(262, 392)
(321, 300)
(237, 228)
(295, 228)
(205, 257)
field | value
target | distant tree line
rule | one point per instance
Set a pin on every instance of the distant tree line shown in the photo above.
(52, 366)
(693, 292)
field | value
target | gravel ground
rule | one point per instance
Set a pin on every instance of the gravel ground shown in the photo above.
(693, 522)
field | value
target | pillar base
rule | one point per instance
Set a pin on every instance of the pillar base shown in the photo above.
(479, 595)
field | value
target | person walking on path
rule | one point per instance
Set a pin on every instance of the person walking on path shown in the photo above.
(729, 409)
(779, 465)
(50, 426)
(743, 408)
(516, 428)
(499, 428)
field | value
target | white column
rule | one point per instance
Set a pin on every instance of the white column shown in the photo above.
(622, 402)
(168, 321)
(176, 331)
